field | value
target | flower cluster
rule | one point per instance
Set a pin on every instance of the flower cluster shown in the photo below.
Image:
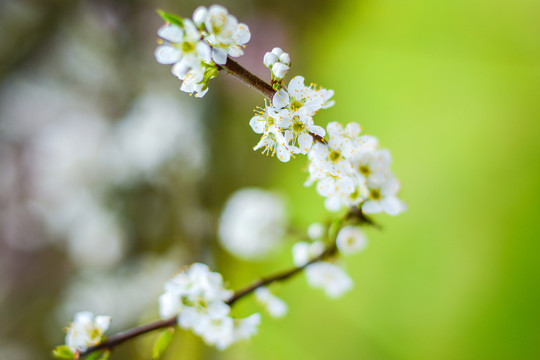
(278, 62)
(350, 171)
(86, 331)
(287, 125)
(197, 47)
(198, 298)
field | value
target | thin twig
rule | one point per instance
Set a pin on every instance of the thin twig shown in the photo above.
(121, 337)
(254, 82)
(284, 275)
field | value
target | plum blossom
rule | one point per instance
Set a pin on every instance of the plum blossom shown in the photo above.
(274, 305)
(183, 47)
(287, 124)
(222, 31)
(86, 330)
(304, 252)
(197, 296)
(329, 277)
(351, 171)
(351, 239)
(196, 48)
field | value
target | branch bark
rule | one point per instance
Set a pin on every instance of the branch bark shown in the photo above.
(238, 71)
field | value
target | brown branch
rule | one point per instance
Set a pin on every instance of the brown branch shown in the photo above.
(254, 82)
(121, 337)
(284, 275)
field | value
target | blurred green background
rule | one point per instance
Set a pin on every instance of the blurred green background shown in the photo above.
(451, 88)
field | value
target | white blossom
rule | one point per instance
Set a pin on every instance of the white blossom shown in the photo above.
(274, 305)
(191, 56)
(287, 124)
(252, 224)
(273, 142)
(182, 45)
(304, 252)
(351, 239)
(315, 231)
(246, 327)
(350, 171)
(329, 277)
(383, 197)
(86, 330)
(197, 296)
(226, 36)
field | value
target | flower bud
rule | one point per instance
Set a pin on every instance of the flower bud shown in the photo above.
(277, 51)
(285, 58)
(270, 59)
(280, 70)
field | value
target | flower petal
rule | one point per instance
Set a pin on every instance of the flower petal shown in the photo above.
(171, 33)
(296, 85)
(166, 54)
(258, 123)
(219, 56)
(280, 99)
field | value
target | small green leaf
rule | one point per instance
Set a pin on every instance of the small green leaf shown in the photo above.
(171, 18)
(99, 355)
(162, 343)
(63, 352)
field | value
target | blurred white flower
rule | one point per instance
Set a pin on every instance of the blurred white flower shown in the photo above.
(247, 327)
(274, 305)
(329, 277)
(86, 331)
(252, 223)
(315, 231)
(304, 252)
(158, 129)
(351, 239)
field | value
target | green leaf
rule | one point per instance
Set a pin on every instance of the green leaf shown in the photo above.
(162, 343)
(171, 18)
(63, 352)
(99, 355)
